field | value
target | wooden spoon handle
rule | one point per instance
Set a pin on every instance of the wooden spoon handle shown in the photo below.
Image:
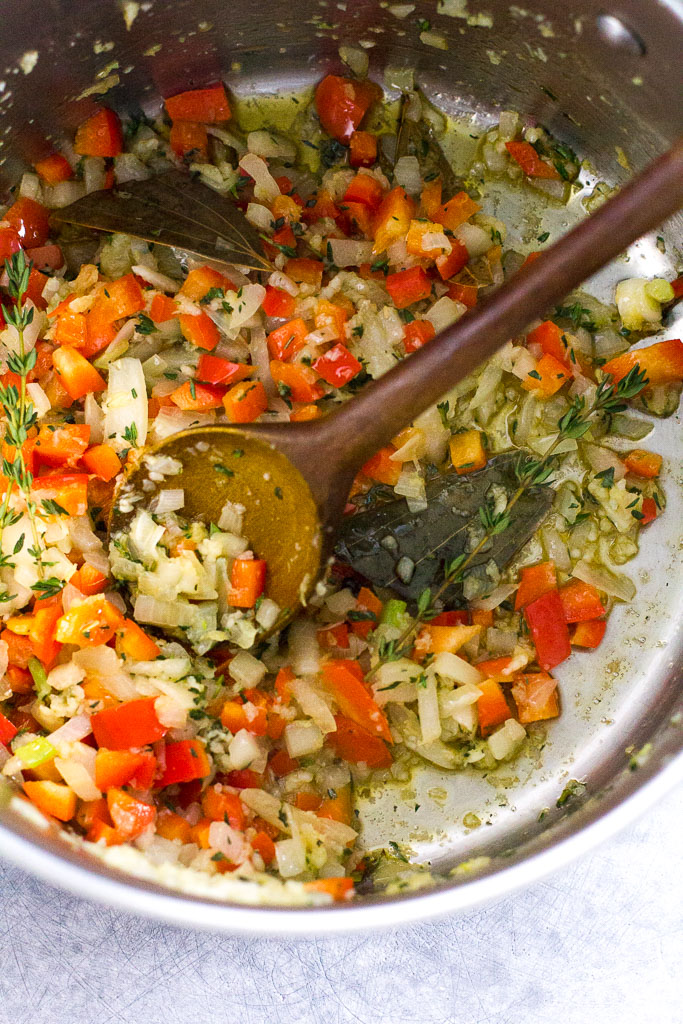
(370, 420)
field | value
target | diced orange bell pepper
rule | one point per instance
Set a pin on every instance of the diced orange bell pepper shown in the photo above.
(185, 760)
(133, 643)
(296, 381)
(286, 208)
(303, 270)
(278, 303)
(162, 309)
(220, 805)
(234, 716)
(284, 677)
(452, 263)
(334, 637)
(100, 135)
(200, 330)
(130, 816)
(30, 220)
(189, 138)
(524, 154)
(356, 745)
(245, 402)
(103, 461)
(434, 639)
(588, 634)
(552, 341)
(133, 724)
(247, 582)
(534, 581)
(337, 366)
(492, 707)
(498, 669)
(207, 106)
(337, 806)
(193, 395)
(201, 280)
(69, 490)
(365, 189)
(580, 601)
(353, 698)
(62, 445)
(370, 608)
(456, 211)
(662, 363)
(392, 219)
(284, 342)
(340, 889)
(536, 697)
(308, 801)
(645, 464)
(42, 633)
(330, 316)
(71, 329)
(75, 372)
(548, 377)
(90, 623)
(430, 200)
(467, 451)
(89, 580)
(53, 798)
(417, 245)
(170, 825)
(342, 103)
(363, 149)
(264, 846)
(305, 413)
(120, 767)
(54, 168)
(408, 286)
(281, 764)
(382, 468)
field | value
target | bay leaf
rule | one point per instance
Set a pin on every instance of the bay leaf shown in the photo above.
(371, 542)
(176, 210)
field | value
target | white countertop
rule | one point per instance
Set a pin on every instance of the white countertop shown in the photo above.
(600, 942)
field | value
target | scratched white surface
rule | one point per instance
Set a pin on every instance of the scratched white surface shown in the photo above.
(599, 943)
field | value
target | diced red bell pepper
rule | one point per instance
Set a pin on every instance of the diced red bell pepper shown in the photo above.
(548, 377)
(133, 724)
(188, 138)
(370, 605)
(9, 242)
(589, 634)
(53, 798)
(130, 816)
(244, 778)
(456, 617)
(102, 461)
(298, 381)
(30, 220)
(278, 303)
(549, 631)
(453, 262)
(392, 220)
(200, 330)
(286, 341)
(334, 637)
(363, 149)
(90, 623)
(534, 581)
(551, 340)
(416, 334)
(100, 135)
(185, 761)
(7, 730)
(121, 767)
(353, 698)
(46, 257)
(34, 289)
(580, 601)
(321, 206)
(465, 293)
(663, 362)
(645, 464)
(382, 468)
(365, 189)
(215, 370)
(408, 286)
(207, 106)
(62, 445)
(356, 745)
(492, 707)
(89, 580)
(524, 154)
(247, 582)
(649, 511)
(219, 805)
(337, 366)
(677, 286)
(162, 309)
(245, 402)
(342, 103)
(193, 395)
(281, 764)
(264, 846)
(54, 168)
(536, 697)
(69, 490)
(456, 211)
(76, 374)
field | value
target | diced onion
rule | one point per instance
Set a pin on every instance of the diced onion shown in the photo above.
(602, 459)
(169, 500)
(77, 728)
(556, 549)
(495, 598)
(313, 705)
(349, 253)
(260, 216)
(126, 404)
(302, 738)
(355, 58)
(341, 603)
(63, 194)
(157, 280)
(271, 146)
(265, 186)
(78, 777)
(445, 312)
(304, 652)
(94, 174)
(244, 750)
(451, 666)
(246, 670)
(290, 855)
(612, 583)
(267, 613)
(428, 710)
(505, 741)
(41, 403)
(407, 173)
(475, 239)
(228, 841)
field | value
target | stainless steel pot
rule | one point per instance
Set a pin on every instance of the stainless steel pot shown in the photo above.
(605, 80)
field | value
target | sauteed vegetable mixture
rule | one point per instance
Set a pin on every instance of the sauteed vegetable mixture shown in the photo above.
(134, 706)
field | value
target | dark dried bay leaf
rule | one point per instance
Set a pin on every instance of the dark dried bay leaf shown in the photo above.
(172, 209)
(373, 541)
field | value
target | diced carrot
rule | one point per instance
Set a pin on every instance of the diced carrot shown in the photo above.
(356, 745)
(162, 309)
(100, 135)
(392, 220)
(382, 468)
(534, 581)
(524, 154)
(467, 451)
(245, 402)
(130, 816)
(284, 342)
(353, 698)
(247, 582)
(30, 220)
(189, 138)
(53, 798)
(193, 395)
(54, 168)
(662, 363)
(90, 623)
(580, 601)
(200, 330)
(536, 697)
(342, 103)
(133, 724)
(185, 760)
(133, 643)
(456, 211)
(103, 461)
(645, 464)
(296, 381)
(492, 707)
(588, 634)
(408, 286)
(363, 149)
(548, 377)
(207, 106)
(340, 889)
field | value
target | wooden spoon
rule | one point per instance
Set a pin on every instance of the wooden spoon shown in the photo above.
(294, 478)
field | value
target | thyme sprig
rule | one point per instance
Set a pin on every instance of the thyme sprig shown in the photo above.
(609, 398)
